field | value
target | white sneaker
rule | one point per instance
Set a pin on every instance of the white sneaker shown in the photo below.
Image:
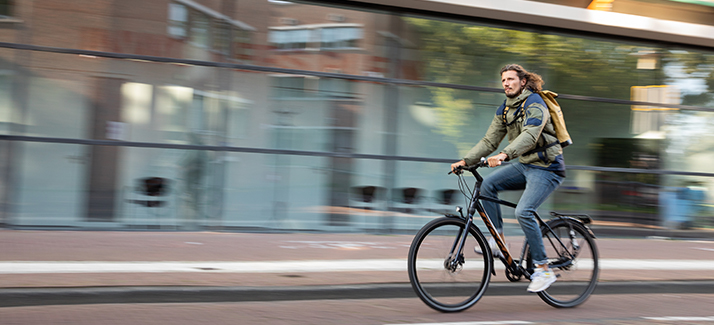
(496, 252)
(541, 280)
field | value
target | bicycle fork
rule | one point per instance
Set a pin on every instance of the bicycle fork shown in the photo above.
(456, 256)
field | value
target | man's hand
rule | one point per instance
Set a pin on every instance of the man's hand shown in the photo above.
(496, 160)
(457, 164)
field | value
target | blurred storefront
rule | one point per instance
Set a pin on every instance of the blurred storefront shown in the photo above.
(324, 116)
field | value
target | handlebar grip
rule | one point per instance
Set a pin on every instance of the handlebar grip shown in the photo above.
(459, 169)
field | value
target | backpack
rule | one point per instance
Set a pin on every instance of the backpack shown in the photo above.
(556, 116)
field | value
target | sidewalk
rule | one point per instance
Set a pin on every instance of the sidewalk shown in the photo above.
(63, 259)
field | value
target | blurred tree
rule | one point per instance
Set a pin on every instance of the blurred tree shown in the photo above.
(695, 65)
(466, 54)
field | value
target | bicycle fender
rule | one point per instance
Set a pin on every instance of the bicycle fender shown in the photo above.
(576, 220)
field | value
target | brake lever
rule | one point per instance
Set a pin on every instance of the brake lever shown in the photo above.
(460, 169)
(457, 172)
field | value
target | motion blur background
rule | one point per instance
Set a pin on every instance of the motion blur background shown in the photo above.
(340, 116)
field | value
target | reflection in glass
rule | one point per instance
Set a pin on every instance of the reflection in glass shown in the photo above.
(307, 130)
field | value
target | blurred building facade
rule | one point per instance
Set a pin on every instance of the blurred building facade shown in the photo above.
(331, 116)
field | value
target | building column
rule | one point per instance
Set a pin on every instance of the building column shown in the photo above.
(104, 160)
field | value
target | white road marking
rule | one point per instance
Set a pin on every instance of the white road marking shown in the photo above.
(654, 264)
(332, 244)
(209, 266)
(305, 266)
(681, 319)
(506, 322)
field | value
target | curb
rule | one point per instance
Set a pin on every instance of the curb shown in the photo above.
(17, 297)
(620, 232)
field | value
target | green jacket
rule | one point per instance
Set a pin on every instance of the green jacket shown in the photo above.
(527, 128)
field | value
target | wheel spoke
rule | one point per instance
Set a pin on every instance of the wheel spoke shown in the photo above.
(443, 280)
(575, 263)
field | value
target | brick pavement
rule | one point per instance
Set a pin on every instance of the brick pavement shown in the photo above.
(117, 246)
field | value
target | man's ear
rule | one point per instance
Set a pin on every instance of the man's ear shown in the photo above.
(523, 82)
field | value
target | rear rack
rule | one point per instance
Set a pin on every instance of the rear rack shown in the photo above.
(583, 217)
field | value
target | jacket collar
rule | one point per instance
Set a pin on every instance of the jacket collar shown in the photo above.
(516, 101)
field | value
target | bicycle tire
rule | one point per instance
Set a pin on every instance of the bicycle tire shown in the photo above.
(438, 286)
(577, 277)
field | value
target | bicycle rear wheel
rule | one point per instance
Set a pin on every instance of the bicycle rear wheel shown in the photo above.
(444, 281)
(574, 262)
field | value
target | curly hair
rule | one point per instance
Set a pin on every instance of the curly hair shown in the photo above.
(533, 80)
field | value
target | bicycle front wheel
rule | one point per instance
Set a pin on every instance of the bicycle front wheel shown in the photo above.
(573, 259)
(442, 277)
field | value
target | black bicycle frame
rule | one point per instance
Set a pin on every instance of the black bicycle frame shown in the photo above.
(476, 206)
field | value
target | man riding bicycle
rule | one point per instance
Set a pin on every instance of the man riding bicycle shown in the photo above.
(540, 167)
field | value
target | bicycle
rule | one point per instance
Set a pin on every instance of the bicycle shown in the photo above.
(449, 276)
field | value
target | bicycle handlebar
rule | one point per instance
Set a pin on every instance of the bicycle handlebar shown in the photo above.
(472, 169)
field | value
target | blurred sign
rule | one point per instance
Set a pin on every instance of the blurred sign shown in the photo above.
(647, 59)
(655, 94)
(602, 5)
(650, 118)
(116, 130)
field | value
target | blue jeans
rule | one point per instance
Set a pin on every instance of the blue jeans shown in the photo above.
(537, 185)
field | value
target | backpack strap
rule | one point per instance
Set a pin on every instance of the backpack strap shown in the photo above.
(503, 111)
(519, 113)
(537, 149)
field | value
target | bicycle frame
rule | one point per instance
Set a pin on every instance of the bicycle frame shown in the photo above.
(516, 269)
(476, 206)
(565, 237)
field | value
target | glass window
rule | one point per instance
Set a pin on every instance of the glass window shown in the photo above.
(288, 86)
(6, 8)
(692, 73)
(221, 36)
(293, 39)
(242, 49)
(200, 29)
(340, 37)
(178, 20)
(7, 111)
(287, 108)
(336, 88)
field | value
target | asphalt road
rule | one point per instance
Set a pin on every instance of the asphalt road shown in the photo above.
(16, 297)
(637, 309)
